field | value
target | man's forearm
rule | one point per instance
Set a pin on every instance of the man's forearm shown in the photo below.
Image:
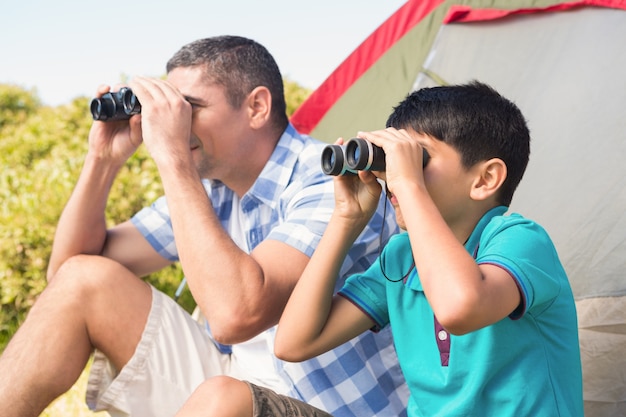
(82, 225)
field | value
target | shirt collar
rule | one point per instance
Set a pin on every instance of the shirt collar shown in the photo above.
(278, 170)
(474, 240)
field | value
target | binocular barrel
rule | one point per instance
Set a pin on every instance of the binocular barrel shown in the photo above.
(119, 105)
(356, 155)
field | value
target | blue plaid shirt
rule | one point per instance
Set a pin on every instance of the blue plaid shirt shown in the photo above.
(292, 201)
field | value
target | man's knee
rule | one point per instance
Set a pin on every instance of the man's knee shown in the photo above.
(221, 386)
(219, 396)
(92, 280)
(91, 272)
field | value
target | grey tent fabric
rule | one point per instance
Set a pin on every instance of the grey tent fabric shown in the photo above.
(567, 73)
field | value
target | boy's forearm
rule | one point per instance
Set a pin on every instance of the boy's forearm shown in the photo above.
(302, 331)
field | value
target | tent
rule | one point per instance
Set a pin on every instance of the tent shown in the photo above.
(563, 64)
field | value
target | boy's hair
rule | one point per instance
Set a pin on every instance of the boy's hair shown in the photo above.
(474, 119)
(239, 65)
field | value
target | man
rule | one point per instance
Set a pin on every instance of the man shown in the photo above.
(245, 205)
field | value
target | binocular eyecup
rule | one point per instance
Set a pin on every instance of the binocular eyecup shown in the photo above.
(356, 155)
(119, 105)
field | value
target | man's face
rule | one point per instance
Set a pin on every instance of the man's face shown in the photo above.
(217, 129)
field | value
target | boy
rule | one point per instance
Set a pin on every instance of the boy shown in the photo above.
(481, 310)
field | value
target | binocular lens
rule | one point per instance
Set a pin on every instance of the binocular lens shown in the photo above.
(96, 109)
(333, 162)
(362, 155)
(130, 102)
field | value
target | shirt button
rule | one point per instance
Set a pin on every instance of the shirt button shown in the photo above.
(442, 335)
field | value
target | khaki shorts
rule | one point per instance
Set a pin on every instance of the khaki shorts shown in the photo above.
(266, 403)
(174, 356)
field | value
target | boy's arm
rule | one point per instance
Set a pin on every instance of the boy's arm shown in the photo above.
(314, 321)
(464, 296)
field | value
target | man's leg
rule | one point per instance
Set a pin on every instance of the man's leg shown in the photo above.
(223, 396)
(219, 396)
(92, 302)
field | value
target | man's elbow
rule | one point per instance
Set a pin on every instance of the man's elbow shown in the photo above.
(50, 273)
(230, 329)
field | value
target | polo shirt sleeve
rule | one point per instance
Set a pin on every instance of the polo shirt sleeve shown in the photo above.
(524, 249)
(368, 290)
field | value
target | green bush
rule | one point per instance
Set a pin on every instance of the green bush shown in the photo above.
(42, 151)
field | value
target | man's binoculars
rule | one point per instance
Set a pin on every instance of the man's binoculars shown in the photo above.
(356, 155)
(119, 105)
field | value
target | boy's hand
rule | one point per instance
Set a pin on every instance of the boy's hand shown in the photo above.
(403, 155)
(356, 196)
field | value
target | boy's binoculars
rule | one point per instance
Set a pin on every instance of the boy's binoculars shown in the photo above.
(356, 155)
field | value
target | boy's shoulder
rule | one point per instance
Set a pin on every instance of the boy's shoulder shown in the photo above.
(500, 219)
(509, 233)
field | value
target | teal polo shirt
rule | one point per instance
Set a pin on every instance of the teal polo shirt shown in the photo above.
(527, 364)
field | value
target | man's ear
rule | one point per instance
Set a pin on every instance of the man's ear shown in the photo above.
(259, 105)
(489, 178)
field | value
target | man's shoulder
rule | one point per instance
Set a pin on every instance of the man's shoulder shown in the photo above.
(308, 147)
(305, 153)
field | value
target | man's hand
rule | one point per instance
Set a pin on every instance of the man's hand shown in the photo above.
(165, 118)
(114, 141)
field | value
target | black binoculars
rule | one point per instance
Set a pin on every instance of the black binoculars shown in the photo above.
(356, 155)
(119, 105)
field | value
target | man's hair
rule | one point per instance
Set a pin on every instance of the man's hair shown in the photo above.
(239, 65)
(475, 120)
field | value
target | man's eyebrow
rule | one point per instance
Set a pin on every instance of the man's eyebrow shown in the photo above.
(192, 99)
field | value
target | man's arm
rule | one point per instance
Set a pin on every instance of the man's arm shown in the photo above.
(240, 294)
(82, 227)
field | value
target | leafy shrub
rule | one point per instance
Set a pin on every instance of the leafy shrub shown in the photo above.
(42, 151)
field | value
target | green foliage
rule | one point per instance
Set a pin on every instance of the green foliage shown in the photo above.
(294, 95)
(41, 152)
(16, 104)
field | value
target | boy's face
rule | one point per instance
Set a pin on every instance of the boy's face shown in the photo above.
(448, 182)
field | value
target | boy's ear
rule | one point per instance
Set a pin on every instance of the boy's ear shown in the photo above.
(489, 178)
(259, 105)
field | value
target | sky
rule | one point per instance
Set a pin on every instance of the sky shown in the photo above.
(64, 49)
